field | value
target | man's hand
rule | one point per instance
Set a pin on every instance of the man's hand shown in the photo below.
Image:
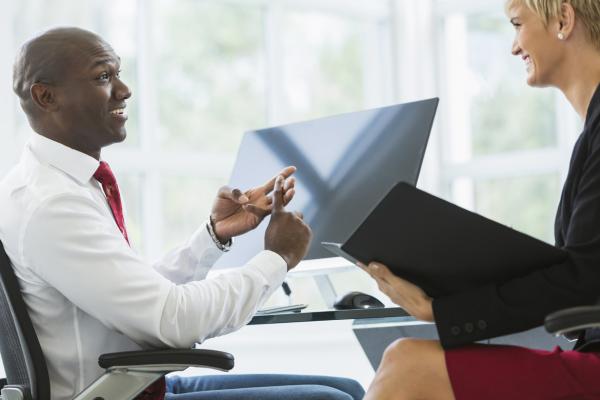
(286, 235)
(407, 295)
(235, 213)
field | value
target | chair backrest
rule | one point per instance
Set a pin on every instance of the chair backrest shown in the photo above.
(22, 355)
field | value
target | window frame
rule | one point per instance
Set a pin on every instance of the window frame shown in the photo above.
(468, 172)
(153, 165)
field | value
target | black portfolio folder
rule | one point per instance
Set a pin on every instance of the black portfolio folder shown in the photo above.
(441, 247)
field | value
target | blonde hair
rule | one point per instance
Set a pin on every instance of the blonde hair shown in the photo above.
(587, 10)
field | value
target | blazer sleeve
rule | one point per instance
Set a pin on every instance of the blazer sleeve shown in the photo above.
(521, 304)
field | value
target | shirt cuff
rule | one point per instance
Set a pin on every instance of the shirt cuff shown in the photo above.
(271, 266)
(203, 246)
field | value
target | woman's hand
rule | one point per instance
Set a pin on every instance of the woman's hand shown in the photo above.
(407, 295)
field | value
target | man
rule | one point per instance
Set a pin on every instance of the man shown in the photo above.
(87, 291)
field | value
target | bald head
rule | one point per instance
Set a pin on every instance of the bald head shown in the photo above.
(46, 58)
(69, 84)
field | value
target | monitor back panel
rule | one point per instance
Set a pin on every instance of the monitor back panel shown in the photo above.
(346, 164)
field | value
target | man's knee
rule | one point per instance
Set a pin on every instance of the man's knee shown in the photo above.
(319, 392)
(350, 386)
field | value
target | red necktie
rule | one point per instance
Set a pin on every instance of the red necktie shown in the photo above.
(104, 175)
(111, 190)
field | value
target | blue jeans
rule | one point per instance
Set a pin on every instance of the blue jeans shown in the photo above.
(262, 387)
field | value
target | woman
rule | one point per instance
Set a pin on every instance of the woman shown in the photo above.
(559, 41)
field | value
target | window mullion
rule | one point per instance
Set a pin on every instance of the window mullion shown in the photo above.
(274, 53)
(152, 213)
(7, 112)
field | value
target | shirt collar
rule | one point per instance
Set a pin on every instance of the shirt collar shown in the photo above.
(74, 163)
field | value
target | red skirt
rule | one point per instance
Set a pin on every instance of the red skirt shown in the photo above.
(512, 373)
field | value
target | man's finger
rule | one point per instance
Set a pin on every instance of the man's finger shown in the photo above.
(239, 196)
(289, 184)
(278, 194)
(286, 172)
(288, 196)
(259, 212)
(235, 195)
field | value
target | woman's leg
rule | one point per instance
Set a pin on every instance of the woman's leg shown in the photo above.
(412, 369)
(421, 369)
(273, 384)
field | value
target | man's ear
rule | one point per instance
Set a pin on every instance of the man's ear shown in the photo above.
(44, 97)
(566, 19)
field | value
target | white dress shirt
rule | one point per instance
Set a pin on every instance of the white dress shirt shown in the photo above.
(89, 293)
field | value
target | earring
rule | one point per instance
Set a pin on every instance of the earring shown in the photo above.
(561, 36)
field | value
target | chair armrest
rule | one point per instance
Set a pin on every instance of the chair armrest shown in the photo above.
(159, 359)
(573, 319)
(130, 372)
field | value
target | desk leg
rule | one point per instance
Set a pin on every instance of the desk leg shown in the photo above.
(326, 289)
(374, 340)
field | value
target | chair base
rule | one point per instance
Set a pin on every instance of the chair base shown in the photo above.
(119, 383)
(12, 393)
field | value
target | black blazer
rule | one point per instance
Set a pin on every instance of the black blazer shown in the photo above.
(520, 304)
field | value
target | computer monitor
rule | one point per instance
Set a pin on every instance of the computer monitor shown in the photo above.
(346, 165)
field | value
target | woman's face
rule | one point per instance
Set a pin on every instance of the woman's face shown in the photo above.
(537, 45)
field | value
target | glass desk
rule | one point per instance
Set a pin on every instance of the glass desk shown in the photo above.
(328, 315)
(367, 325)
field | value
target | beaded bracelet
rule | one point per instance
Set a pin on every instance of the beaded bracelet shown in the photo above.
(211, 231)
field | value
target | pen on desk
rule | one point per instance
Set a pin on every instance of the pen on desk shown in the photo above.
(287, 290)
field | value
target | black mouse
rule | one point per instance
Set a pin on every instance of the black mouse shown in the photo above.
(357, 300)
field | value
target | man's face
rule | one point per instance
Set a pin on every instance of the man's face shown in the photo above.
(92, 98)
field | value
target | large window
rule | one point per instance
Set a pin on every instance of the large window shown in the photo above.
(209, 73)
(204, 71)
(503, 148)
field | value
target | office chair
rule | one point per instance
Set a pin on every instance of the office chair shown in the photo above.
(127, 373)
(571, 321)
